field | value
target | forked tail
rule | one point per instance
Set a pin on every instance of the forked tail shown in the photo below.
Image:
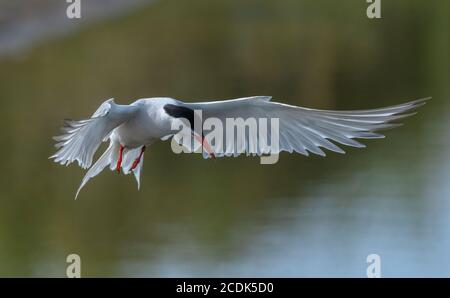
(110, 157)
(101, 163)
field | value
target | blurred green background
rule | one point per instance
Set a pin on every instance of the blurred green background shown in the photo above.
(230, 217)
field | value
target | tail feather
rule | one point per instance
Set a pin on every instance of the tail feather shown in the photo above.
(101, 163)
(137, 172)
(110, 157)
(129, 157)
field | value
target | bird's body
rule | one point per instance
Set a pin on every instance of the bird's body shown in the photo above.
(147, 125)
(132, 128)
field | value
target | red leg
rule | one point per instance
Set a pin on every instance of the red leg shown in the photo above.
(119, 161)
(138, 160)
(205, 145)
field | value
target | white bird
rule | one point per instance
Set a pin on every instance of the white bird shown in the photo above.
(132, 128)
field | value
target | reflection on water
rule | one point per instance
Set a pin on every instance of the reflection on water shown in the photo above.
(193, 217)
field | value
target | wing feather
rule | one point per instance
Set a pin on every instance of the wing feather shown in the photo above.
(81, 139)
(305, 130)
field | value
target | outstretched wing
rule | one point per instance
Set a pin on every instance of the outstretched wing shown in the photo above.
(82, 138)
(304, 130)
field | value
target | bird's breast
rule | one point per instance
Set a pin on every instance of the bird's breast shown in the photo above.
(142, 129)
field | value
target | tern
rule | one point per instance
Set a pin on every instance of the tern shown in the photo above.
(131, 128)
